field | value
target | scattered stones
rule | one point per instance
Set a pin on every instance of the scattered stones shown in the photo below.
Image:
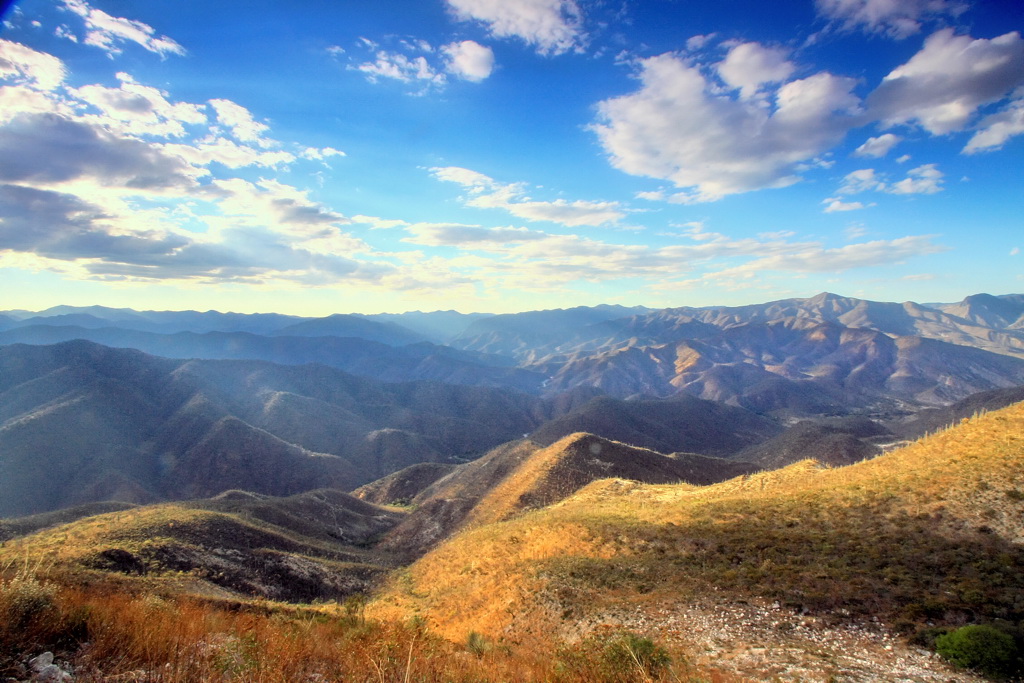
(45, 671)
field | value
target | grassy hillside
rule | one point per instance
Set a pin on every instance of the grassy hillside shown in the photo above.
(807, 573)
(297, 549)
(929, 534)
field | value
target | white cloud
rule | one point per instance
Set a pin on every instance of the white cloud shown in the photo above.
(469, 60)
(855, 231)
(240, 122)
(926, 179)
(138, 109)
(463, 176)
(23, 65)
(227, 152)
(897, 18)
(112, 183)
(944, 84)
(487, 193)
(695, 43)
(398, 67)
(748, 66)
(552, 26)
(861, 180)
(835, 204)
(377, 223)
(996, 129)
(903, 159)
(877, 147)
(19, 99)
(679, 127)
(46, 150)
(532, 261)
(315, 154)
(1014, 251)
(109, 33)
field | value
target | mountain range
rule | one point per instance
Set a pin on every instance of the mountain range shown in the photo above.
(100, 404)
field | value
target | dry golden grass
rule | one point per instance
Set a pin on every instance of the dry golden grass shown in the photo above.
(929, 532)
(504, 499)
(105, 633)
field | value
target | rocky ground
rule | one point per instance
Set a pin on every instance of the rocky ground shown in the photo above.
(770, 643)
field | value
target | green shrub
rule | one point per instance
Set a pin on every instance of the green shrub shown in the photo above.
(27, 600)
(617, 657)
(477, 644)
(355, 610)
(982, 648)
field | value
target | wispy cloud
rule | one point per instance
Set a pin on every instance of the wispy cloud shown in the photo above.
(925, 179)
(110, 33)
(895, 18)
(418, 63)
(486, 193)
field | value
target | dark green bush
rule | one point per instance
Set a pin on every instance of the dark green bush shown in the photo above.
(982, 648)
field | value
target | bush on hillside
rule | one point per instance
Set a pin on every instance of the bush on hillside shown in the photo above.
(617, 657)
(982, 648)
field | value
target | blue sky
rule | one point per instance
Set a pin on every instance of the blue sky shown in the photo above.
(508, 155)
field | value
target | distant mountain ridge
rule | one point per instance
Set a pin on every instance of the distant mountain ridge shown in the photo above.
(81, 422)
(358, 355)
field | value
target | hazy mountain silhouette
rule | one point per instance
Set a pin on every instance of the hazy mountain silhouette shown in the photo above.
(440, 327)
(81, 422)
(419, 361)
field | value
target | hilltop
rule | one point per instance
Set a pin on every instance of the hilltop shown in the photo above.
(524, 475)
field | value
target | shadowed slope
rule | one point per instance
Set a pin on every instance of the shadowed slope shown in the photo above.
(401, 487)
(833, 442)
(683, 423)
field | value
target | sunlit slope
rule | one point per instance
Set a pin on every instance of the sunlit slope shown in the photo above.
(929, 533)
(521, 476)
